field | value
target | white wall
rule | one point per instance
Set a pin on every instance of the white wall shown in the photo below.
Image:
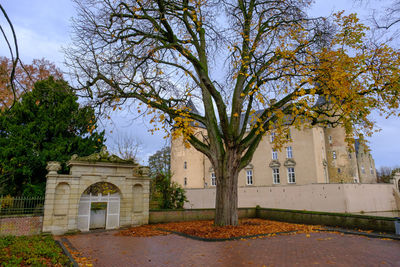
(313, 197)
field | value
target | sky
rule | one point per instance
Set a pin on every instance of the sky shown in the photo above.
(43, 27)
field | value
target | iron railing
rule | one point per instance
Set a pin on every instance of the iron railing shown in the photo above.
(21, 205)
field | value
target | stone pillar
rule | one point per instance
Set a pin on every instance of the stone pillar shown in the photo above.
(53, 167)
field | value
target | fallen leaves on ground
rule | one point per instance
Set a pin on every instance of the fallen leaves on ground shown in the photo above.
(79, 258)
(143, 231)
(206, 229)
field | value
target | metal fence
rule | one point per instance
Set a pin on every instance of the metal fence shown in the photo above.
(21, 205)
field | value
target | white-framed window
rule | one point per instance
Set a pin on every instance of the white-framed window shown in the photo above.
(185, 181)
(272, 137)
(371, 170)
(274, 154)
(334, 154)
(330, 139)
(275, 176)
(249, 177)
(362, 169)
(291, 175)
(289, 152)
(185, 165)
(213, 179)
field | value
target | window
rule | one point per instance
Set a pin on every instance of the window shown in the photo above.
(185, 165)
(274, 154)
(289, 152)
(334, 154)
(272, 137)
(339, 170)
(330, 139)
(288, 135)
(275, 174)
(213, 179)
(349, 155)
(371, 170)
(291, 176)
(185, 181)
(249, 180)
(362, 169)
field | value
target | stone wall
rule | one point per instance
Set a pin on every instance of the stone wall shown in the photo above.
(21, 225)
(314, 197)
(351, 221)
(164, 216)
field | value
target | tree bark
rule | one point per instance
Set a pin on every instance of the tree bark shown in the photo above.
(226, 202)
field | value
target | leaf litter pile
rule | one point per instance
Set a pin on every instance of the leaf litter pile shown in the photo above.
(206, 229)
(79, 258)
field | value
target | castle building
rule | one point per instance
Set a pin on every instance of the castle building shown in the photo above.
(317, 155)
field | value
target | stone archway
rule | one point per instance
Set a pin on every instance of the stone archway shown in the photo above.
(69, 197)
(99, 207)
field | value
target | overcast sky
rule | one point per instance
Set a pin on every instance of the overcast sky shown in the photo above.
(43, 27)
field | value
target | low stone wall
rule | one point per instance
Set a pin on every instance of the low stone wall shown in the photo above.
(21, 225)
(342, 220)
(381, 224)
(164, 216)
(348, 198)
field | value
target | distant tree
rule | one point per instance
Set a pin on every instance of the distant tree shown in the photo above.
(127, 147)
(25, 77)
(385, 173)
(169, 194)
(160, 162)
(46, 125)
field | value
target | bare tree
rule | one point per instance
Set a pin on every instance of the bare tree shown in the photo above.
(384, 16)
(232, 58)
(127, 147)
(385, 173)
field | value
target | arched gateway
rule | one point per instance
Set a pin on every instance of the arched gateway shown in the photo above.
(101, 191)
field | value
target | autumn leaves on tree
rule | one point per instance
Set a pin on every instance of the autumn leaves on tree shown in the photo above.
(25, 77)
(232, 58)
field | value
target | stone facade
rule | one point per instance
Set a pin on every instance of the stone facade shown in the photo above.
(64, 192)
(315, 155)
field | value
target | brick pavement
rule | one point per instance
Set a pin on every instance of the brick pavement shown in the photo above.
(320, 249)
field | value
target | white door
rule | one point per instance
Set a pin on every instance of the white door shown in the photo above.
(84, 213)
(113, 211)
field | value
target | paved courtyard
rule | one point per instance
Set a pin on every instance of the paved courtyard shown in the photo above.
(323, 249)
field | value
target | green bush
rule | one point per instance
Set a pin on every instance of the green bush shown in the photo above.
(170, 195)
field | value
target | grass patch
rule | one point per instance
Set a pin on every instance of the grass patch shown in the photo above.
(31, 251)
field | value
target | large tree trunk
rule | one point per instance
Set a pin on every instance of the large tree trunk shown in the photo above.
(226, 203)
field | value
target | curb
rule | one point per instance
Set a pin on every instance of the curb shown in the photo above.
(224, 239)
(344, 231)
(351, 232)
(66, 252)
